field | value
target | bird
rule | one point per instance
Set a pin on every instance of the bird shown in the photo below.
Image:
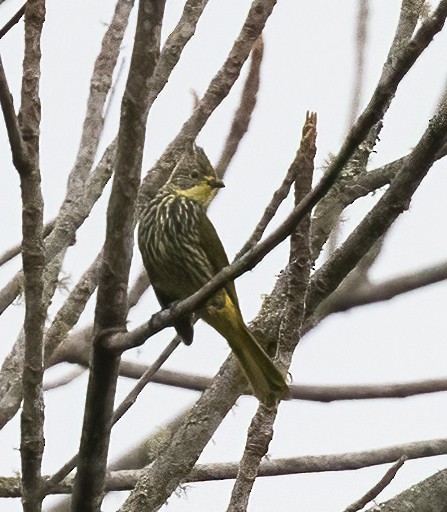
(181, 252)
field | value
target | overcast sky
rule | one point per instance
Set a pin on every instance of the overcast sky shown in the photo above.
(309, 58)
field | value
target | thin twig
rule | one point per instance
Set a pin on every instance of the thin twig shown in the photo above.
(78, 202)
(11, 253)
(377, 222)
(18, 149)
(278, 197)
(360, 49)
(242, 116)
(378, 488)
(329, 210)
(371, 293)
(13, 21)
(124, 406)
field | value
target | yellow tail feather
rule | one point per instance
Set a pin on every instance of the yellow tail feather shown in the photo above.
(264, 377)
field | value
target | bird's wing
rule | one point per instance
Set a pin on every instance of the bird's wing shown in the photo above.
(216, 255)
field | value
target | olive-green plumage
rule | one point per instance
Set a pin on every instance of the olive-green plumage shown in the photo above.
(181, 252)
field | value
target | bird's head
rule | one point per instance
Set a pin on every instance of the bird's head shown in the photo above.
(194, 176)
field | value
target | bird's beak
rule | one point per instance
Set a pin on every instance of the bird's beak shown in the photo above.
(215, 183)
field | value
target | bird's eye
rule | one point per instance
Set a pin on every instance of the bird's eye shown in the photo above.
(194, 174)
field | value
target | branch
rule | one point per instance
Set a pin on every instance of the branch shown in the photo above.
(259, 435)
(378, 488)
(32, 440)
(139, 456)
(11, 253)
(128, 479)
(371, 293)
(360, 50)
(328, 212)
(75, 208)
(13, 21)
(111, 306)
(18, 150)
(312, 393)
(79, 201)
(11, 389)
(278, 197)
(394, 201)
(10, 376)
(242, 116)
(218, 89)
(429, 495)
(124, 406)
(260, 431)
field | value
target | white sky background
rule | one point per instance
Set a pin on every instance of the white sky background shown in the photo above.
(308, 65)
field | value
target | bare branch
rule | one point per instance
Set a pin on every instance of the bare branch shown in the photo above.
(127, 479)
(142, 454)
(370, 293)
(218, 89)
(259, 435)
(395, 200)
(111, 306)
(278, 197)
(242, 116)
(13, 21)
(378, 488)
(79, 201)
(328, 211)
(124, 406)
(360, 49)
(260, 432)
(18, 150)
(15, 251)
(10, 380)
(32, 440)
(75, 207)
(313, 393)
(195, 432)
(11, 389)
(430, 494)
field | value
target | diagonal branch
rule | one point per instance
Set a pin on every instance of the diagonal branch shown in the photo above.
(216, 92)
(10, 376)
(13, 21)
(242, 116)
(387, 290)
(328, 212)
(395, 200)
(78, 202)
(378, 488)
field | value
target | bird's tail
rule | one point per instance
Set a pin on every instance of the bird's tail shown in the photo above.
(264, 377)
